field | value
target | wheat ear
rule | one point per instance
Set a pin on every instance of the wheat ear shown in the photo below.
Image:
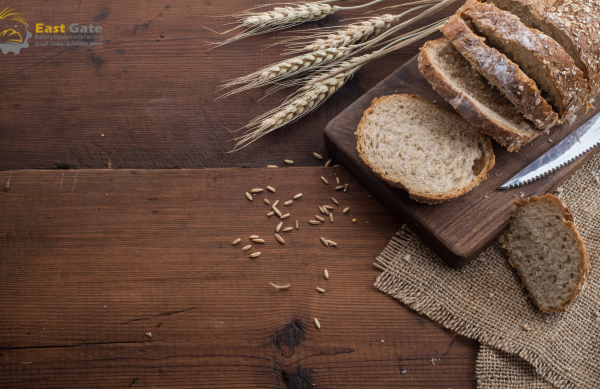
(256, 23)
(299, 104)
(286, 69)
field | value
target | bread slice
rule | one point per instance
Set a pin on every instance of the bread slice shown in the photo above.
(501, 72)
(432, 154)
(545, 248)
(468, 92)
(573, 24)
(539, 56)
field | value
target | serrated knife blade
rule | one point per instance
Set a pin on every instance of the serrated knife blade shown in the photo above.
(575, 145)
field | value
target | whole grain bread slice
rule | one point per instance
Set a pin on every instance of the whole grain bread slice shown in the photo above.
(414, 145)
(501, 72)
(539, 56)
(451, 75)
(573, 24)
(546, 249)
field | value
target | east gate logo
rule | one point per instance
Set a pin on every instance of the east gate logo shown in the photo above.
(12, 29)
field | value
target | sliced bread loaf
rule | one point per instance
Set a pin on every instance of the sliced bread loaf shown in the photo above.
(545, 248)
(468, 92)
(573, 24)
(432, 154)
(501, 72)
(538, 55)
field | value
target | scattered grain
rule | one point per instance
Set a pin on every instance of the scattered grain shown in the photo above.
(314, 222)
(271, 213)
(254, 255)
(526, 327)
(339, 187)
(317, 324)
(289, 202)
(276, 203)
(320, 290)
(297, 196)
(326, 274)
(288, 161)
(271, 165)
(271, 189)
(337, 180)
(258, 240)
(277, 212)
(324, 180)
(287, 229)
(327, 207)
(331, 217)
(278, 227)
(353, 220)
(331, 243)
(317, 156)
(324, 241)
(322, 210)
(267, 201)
(238, 240)
(284, 216)
(254, 237)
(256, 190)
(247, 247)
(279, 287)
(249, 196)
(149, 334)
(328, 163)
(280, 239)
(346, 210)
(319, 218)
(335, 201)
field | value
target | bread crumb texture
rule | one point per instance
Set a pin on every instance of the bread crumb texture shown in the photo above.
(429, 151)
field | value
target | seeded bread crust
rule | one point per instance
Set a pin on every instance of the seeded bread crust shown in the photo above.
(489, 156)
(578, 20)
(466, 106)
(584, 261)
(502, 73)
(559, 66)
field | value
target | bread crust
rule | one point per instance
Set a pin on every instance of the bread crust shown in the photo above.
(521, 90)
(578, 20)
(584, 260)
(559, 66)
(488, 156)
(466, 106)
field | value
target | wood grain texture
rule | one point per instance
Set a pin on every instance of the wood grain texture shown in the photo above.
(150, 90)
(92, 260)
(461, 229)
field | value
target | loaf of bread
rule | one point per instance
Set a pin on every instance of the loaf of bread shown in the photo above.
(501, 72)
(468, 92)
(545, 248)
(543, 59)
(434, 155)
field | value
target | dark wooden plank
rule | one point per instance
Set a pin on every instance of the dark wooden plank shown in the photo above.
(92, 260)
(461, 229)
(145, 98)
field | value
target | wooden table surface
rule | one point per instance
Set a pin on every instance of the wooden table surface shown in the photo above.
(126, 243)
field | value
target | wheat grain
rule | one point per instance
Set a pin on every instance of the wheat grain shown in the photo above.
(267, 201)
(317, 324)
(297, 196)
(297, 227)
(326, 211)
(324, 180)
(284, 216)
(238, 240)
(288, 161)
(299, 104)
(271, 213)
(337, 180)
(254, 237)
(276, 203)
(317, 156)
(332, 243)
(278, 227)
(258, 240)
(277, 212)
(326, 274)
(339, 187)
(247, 247)
(248, 196)
(256, 190)
(331, 217)
(280, 239)
(256, 254)
(314, 222)
(287, 229)
(346, 210)
(271, 189)
(289, 202)
(324, 241)
(335, 201)
(319, 218)
(271, 165)
(279, 287)
(328, 163)
(320, 290)
(327, 207)
(322, 210)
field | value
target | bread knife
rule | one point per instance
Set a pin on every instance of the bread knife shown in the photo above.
(575, 145)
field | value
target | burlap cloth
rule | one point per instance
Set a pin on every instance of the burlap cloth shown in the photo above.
(486, 301)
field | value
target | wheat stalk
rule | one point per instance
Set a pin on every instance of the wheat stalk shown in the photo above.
(286, 69)
(299, 104)
(256, 23)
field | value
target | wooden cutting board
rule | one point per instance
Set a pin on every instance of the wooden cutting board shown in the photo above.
(461, 229)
